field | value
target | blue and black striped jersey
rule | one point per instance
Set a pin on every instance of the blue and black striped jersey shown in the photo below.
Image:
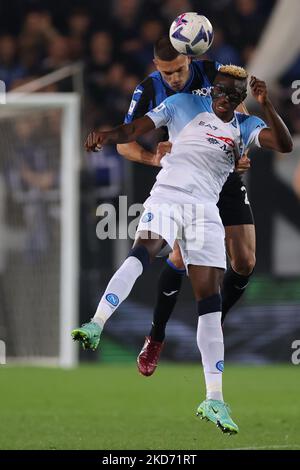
(153, 90)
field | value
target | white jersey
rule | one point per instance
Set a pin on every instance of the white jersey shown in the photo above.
(204, 148)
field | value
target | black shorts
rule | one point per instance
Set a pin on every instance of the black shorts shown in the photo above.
(233, 203)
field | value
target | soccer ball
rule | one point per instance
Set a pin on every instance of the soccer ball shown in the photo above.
(191, 34)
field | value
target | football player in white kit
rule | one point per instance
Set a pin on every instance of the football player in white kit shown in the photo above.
(207, 137)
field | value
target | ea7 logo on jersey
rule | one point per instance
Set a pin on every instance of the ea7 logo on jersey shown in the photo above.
(203, 123)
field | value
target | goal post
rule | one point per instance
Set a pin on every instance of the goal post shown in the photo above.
(31, 260)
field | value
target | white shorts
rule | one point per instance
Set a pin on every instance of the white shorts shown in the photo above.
(196, 225)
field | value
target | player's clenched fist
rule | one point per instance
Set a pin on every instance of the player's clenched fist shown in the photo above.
(259, 90)
(95, 141)
(243, 165)
(161, 150)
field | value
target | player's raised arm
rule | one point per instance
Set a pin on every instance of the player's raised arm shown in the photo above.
(140, 103)
(134, 152)
(276, 136)
(121, 134)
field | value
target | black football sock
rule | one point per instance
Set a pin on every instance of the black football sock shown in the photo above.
(169, 285)
(234, 286)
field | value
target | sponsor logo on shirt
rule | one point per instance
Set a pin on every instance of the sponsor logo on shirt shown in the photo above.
(205, 91)
(227, 140)
(203, 123)
(226, 144)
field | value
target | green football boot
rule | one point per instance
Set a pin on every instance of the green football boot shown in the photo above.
(217, 412)
(88, 334)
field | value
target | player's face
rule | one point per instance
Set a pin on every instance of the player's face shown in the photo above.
(175, 72)
(227, 94)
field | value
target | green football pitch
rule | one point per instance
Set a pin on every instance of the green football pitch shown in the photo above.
(113, 407)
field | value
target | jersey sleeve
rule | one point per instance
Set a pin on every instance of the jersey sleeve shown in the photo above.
(217, 65)
(162, 114)
(250, 129)
(141, 102)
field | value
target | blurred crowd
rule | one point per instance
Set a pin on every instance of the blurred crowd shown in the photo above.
(114, 40)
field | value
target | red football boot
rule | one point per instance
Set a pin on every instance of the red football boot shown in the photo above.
(148, 358)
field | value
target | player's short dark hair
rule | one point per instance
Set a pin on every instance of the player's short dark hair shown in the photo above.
(164, 50)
